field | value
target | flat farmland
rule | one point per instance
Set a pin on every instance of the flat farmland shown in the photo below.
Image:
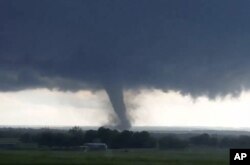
(116, 157)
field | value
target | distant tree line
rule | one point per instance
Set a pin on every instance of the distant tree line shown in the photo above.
(204, 140)
(77, 137)
(121, 139)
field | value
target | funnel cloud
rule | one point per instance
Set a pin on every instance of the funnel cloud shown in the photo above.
(115, 94)
(197, 47)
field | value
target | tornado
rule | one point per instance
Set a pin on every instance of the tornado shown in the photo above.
(115, 94)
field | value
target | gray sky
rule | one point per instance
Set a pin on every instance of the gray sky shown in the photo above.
(197, 48)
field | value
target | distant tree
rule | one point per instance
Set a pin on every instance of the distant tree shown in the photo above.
(76, 136)
(107, 135)
(228, 142)
(204, 140)
(90, 136)
(123, 139)
(171, 142)
(27, 138)
(52, 139)
(143, 140)
(62, 140)
(46, 139)
(243, 141)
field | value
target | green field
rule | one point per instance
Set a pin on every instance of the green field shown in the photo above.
(138, 157)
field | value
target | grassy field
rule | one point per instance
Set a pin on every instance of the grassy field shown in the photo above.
(137, 157)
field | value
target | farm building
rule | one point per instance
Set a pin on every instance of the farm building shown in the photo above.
(8, 143)
(95, 147)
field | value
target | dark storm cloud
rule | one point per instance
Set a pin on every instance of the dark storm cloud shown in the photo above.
(192, 46)
(197, 46)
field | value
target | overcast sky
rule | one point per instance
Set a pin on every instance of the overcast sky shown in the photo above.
(161, 63)
(42, 107)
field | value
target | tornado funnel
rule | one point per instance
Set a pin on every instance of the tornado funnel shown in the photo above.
(115, 94)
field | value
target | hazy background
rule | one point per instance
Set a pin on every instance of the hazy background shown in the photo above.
(42, 107)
